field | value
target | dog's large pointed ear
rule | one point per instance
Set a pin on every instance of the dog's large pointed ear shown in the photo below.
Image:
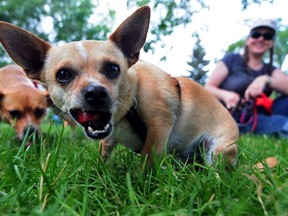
(27, 50)
(1, 94)
(130, 36)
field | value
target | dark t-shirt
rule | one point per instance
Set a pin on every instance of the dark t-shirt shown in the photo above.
(238, 79)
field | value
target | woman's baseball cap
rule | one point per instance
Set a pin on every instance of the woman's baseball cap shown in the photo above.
(268, 23)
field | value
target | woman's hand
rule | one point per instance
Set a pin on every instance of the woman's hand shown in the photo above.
(256, 87)
(230, 99)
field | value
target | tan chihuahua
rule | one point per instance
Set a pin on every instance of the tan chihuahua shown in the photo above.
(118, 99)
(21, 103)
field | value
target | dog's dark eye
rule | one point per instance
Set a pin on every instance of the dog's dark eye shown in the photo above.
(39, 112)
(15, 114)
(64, 76)
(112, 70)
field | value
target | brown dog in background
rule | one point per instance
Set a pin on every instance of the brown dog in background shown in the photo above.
(21, 103)
(118, 99)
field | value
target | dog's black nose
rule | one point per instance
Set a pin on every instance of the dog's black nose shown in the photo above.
(95, 94)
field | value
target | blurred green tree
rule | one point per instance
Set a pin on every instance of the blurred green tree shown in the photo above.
(171, 14)
(57, 21)
(69, 20)
(197, 64)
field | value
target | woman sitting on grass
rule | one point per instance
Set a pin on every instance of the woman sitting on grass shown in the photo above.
(246, 77)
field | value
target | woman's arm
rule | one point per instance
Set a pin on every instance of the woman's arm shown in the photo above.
(217, 77)
(277, 81)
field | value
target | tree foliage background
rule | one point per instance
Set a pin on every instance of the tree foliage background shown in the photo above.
(198, 70)
(71, 19)
(82, 19)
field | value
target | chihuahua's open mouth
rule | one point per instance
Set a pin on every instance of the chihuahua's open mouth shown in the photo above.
(96, 123)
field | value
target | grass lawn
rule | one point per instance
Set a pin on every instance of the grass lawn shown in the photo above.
(64, 175)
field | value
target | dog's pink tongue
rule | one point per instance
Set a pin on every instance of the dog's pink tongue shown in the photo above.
(86, 117)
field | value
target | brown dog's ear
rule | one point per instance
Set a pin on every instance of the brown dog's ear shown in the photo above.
(130, 36)
(1, 97)
(1, 94)
(27, 50)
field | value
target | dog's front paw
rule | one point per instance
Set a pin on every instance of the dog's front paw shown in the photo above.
(106, 146)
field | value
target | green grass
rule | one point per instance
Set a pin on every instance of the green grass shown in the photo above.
(64, 175)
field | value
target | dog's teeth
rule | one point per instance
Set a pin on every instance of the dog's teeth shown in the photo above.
(98, 131)
(106, 127)
(93, 131)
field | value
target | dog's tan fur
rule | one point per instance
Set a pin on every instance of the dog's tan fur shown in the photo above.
(181, 117)
(19, 96)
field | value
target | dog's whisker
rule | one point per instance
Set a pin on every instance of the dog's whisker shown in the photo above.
(122, 104)
(46, 99)
(60, 113)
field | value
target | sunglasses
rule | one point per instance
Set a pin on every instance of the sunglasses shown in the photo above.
(266, 36)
